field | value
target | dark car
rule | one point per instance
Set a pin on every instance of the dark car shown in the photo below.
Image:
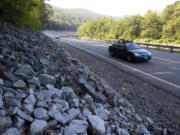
(129, 50)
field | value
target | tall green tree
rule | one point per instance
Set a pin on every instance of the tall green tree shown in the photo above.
(171, 19)
(151, 26)
(26, 13)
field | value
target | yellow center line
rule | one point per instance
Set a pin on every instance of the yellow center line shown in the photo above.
(166, 60)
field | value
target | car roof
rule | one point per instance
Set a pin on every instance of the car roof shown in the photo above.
(124, 41)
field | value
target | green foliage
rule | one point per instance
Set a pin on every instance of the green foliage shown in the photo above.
(153, 27)
(70, 19)
(107, 28)
(25, 13)
(171, 18)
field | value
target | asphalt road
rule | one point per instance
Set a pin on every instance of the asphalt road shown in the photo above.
(163, 65)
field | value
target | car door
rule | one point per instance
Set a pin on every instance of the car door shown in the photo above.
(120, 50)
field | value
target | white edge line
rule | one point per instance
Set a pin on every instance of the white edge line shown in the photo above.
(137, 70)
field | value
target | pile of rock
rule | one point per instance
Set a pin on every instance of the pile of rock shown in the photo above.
(43, 90)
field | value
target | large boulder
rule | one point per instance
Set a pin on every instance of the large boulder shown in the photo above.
(97, 123)
(37, 127)
(25, 69)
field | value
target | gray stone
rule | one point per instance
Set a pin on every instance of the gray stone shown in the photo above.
(164, 131)
(13, 103)
(69, 131)
(149, 120)
(7, 83)
(102, 112)
(89, 89)
(30, 99)
(37, 127)
(72, 114)
(137, 118)
(19, 84)
(47, 94)
(97, 123)
(34, 81)
(121, 131)
(141, 129)
(40, 96)
(1, 82)
(8, 95)
(1, 93)
(68, 93)
(40, 113)
(1, 104)
(12, 111)
(74, 103)
(46, 79)
(25, 69)
(20, 96)
(86, 112)
(97, 96)
(31, 90)
(28, 108)
(18, 122)
(5, 122)
(54, 113)
(79, 126)
(10, 90)
(9, 76)
(88, 99)
(42, 104)
(52, 123)
(2, 112)
(62, 105)
(100, 88)
(49, 86)
(81, 81)
(11, 131)
(44, 61)
(24, 116)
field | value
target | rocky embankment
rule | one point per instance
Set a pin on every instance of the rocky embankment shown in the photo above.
(43, 90)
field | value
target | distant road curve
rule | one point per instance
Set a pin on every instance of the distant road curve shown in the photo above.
(163, 71)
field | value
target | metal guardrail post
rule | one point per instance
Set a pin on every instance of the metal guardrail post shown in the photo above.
(171, 49)
(158, 47)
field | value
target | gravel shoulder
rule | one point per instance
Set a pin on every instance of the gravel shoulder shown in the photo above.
(162, 107)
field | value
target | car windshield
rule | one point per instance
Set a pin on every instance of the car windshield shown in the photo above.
(132, 46)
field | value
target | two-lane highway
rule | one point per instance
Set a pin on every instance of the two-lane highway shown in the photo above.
(163, 67)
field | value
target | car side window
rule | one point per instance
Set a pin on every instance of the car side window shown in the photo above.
(119, 45)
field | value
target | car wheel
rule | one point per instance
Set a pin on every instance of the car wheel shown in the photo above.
(129, 58)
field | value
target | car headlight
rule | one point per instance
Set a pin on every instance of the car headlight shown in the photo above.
(136, 54)
(149, 53)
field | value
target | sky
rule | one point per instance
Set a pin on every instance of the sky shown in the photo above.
(117, 8)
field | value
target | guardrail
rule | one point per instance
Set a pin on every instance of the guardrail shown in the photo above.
(158, 46)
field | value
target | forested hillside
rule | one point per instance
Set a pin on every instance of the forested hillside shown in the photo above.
(161, 27)
(25, 13)
(70, 19)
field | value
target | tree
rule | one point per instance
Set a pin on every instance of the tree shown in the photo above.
(151, 26)
(171, 19)
(26, 13)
